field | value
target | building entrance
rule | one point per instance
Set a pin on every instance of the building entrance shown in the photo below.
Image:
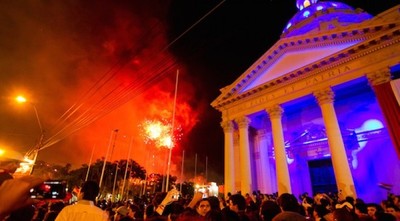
(322, 176)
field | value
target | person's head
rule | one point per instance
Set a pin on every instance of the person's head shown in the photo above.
(136, 212)
(343, 214)
(203, 207)
(173, 210)
(214, 203)
(121, 212)
(288, 202)
(89, 191)
(268, 210)
(373, 208)
(320, 211)
(394, 210)
(237, 203)
(360, 209)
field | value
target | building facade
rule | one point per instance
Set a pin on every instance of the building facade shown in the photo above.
(309, 114)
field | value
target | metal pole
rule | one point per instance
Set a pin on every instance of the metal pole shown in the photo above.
(163, 186)
(105, 158)
(115, 180)
(172, 130)
(36, 151)
(195, 166)
(206, 169)
(126, 168)
(183, 160)
(40, 142)
(90, 163)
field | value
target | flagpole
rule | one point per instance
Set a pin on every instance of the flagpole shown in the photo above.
(105, 158)
(195, 166)
(126, 168)
(90, 163)
(206, 169)
(183, 160)
(172, 131)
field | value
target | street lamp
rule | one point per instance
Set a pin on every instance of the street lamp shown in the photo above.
(35, 150)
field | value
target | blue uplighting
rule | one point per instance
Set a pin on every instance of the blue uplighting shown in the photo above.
(342, 14)
(306, 13)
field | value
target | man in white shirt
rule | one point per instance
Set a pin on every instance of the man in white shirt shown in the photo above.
(85, 209)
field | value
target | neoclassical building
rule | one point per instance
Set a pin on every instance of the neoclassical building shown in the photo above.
(317, 112)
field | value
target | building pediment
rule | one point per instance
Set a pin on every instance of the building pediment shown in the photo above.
(292, 60)
(293, 57)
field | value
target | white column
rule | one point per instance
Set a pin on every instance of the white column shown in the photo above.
(344, 179)
(264, 167)
(244, 153)
(282, 170)
(229, 166)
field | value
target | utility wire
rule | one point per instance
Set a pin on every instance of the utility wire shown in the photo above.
(118, 95)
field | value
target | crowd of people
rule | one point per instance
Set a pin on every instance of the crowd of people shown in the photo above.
(16, 205)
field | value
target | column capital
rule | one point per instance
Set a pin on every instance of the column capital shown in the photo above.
(243, 122)
(227, 126)
(275, 111)
(379, 77)
(324, 96)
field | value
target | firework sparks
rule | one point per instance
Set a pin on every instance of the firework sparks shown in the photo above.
(159, 133)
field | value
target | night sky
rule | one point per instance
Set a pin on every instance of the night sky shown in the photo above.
(117, 62)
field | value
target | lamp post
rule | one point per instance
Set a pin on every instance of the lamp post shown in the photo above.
(38, 146)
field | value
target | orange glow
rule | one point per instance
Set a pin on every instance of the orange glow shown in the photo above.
(20, 99)
(128, 50)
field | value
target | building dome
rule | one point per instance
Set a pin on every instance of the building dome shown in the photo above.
(314, 16)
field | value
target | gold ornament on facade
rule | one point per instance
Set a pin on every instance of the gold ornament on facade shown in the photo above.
(275, 111)
(324, 96)
(227, 126)
(243, 122)
(379, 77)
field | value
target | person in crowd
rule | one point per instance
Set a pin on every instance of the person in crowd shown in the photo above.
(319, 212)
(268, 210)
(135, 211)
(360, 209)
(85, 208)
(156, 207)
(290, 208)
(216, 206)
(161, 201)
(344, 214)
(122, 213)
(238, 205)
(14, 194)
(326, 201)
(394, 210)
(372, 209)
(175, 209)
(54, 210)
(203, 207)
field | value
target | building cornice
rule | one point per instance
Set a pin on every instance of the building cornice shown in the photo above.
(372, 37)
